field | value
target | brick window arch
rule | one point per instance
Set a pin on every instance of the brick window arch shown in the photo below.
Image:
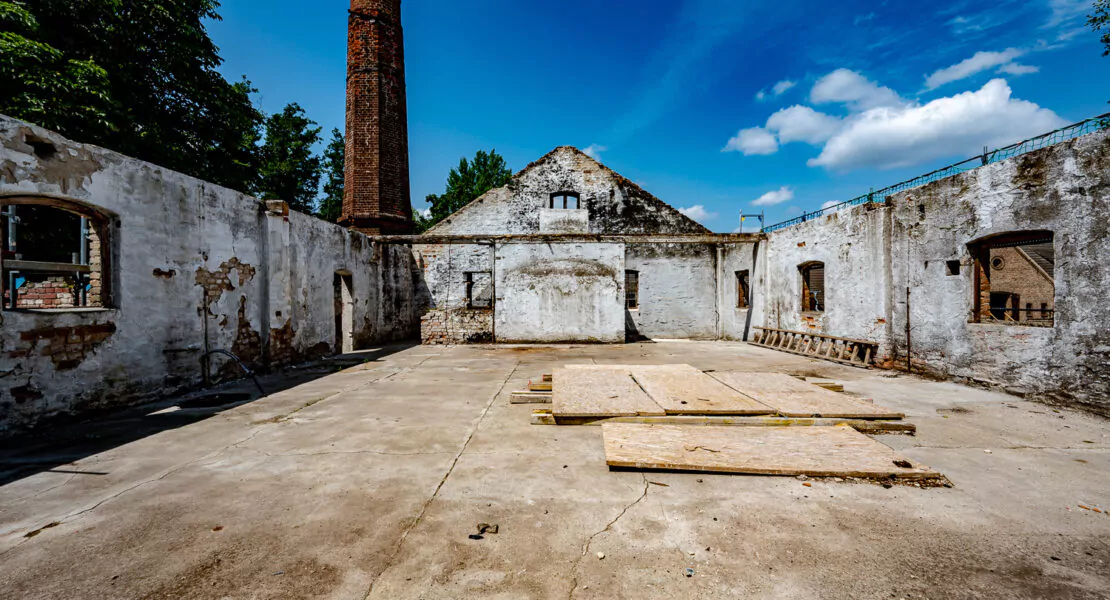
(53, 254)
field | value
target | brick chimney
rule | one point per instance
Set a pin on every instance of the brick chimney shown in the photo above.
(376, 189)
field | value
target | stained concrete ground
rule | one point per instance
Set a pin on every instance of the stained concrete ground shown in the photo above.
(365, 483)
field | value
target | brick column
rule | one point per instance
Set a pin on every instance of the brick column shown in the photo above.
(376, 192)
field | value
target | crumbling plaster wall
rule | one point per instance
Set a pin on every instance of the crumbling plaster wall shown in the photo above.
(734, 321)
(1064, 188)
(448, 319)
(615, 204)
(193, 266)
(677, 290)
(559, 292)
(854, 245)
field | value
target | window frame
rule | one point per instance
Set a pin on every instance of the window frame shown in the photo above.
(805, 270)
(100, 223)
(983, 308)
(468, 281)
(743, 289)
(565, 195)
(631, 293)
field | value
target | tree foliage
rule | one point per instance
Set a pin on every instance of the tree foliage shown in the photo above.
(290, 171)
(137, 76)
(467, 182)
(331, 205)
(1099, 21)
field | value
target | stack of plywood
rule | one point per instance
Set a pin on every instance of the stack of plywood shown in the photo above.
(653, 417)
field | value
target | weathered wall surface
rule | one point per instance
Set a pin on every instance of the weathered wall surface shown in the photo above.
(444, 267)
(1064, 189)
(614, 204)
(855, 247)
(192, 267)
(678, 290)
(734, 258)
(559, 292)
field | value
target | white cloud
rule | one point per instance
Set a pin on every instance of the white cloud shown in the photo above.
(783, 194)
(982, 61)
(844, 86)
(761, 95)
(955, 126)
(783, 86)
(426, 213)
(802, 124)
(830, 204)
(1065, 11)
(860, 19)
(594, 151)
(698, 213)
(752, 142)
(1018, 69)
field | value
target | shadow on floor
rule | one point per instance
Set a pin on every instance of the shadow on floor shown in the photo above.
(60, 442)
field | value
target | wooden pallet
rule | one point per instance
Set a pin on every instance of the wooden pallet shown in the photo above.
(847, 351)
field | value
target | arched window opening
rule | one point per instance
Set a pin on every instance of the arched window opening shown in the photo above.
(53, 255)
(813, 286)
(564, 200)
(1015, 272)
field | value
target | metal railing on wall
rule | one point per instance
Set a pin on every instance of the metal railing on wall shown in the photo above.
(990, 156)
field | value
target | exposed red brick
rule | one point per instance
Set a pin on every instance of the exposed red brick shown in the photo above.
(376, 190)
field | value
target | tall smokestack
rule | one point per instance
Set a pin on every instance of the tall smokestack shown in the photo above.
(376, 188)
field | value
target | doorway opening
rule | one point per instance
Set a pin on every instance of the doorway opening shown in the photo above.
(344, 314)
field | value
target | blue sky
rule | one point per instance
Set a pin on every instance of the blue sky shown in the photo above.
(715, 106)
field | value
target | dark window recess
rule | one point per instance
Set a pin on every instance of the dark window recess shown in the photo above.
(564, 200)
(921, 211)
(813, 287)
(743, 290)
(632, 289)
(953, 267)
(53, 257)
(479, 289)
(1015, 272)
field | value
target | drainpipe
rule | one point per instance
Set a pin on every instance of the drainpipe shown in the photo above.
(751, 286)
(909, 353)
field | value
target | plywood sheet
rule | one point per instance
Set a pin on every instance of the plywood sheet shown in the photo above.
(792, 397)
(599, 393)
(685, 390)
(814, 451)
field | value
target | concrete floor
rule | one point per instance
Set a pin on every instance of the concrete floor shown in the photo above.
(366, 483)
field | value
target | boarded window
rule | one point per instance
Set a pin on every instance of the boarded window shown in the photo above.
(479, 289)
(1015, 272)
(813, 286)
(632, 289)
(743, 291)
(53, 255)
(564, 200)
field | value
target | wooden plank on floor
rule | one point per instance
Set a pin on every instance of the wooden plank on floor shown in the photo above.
(530, 398)
(685, 390)
(544, 417)
(600, 392)
(814, 451)
(791, 397)
(539, 386)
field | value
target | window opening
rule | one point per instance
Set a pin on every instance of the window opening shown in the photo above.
(632, 289)
(1011, 270)
(813, 287)
(743, 297)
(564, 200)
(479, 289)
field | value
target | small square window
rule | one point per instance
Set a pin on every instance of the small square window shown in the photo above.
(565, 201)
(953, 267)
(479, 289)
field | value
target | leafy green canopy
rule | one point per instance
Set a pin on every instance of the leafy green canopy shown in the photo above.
(331, 205)
(1099, 20)
(465, 183)
(136, 76)
(290, 171)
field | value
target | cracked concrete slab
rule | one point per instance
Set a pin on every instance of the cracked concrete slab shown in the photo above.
(367, 482)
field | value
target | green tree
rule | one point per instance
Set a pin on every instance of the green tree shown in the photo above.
(290, 171)
(41, 84)
(331, 205)
(137, 76)
(468, 181)
(1099, 20)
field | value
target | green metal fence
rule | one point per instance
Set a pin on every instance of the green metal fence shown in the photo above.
(1042, 141)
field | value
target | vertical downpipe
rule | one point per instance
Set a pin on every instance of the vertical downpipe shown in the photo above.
(909, 352)
(206, 376)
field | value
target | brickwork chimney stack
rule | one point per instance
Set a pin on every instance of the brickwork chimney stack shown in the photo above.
(376, 188)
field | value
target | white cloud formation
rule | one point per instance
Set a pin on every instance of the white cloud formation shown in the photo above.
(783, 194)
(594, 151)
(698, 213)
(830, 204)
(844, 86)
(953, 126)
(1018, 69)
(783, 86)
(982, 61)
(761, 95)
(802, 124)
(753, 142)
(1065, 11)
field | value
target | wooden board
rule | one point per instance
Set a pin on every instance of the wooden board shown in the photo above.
(793, 398)
(814, 451)
(544, 417)
(599, 392)
(685, 390)
(530, 398)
